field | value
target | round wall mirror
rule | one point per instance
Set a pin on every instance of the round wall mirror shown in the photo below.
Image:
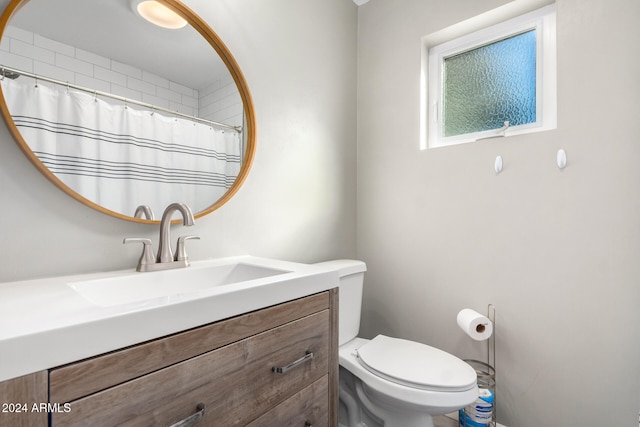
(122, 114)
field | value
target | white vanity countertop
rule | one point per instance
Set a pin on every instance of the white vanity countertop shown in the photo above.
(45, 323)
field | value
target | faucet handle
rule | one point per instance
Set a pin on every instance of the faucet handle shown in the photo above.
(181, 253)
(147, 257)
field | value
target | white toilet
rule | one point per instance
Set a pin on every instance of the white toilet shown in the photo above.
(388, 381)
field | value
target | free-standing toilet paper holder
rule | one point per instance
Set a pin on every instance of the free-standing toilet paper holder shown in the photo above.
(485, 407)
(491, 342)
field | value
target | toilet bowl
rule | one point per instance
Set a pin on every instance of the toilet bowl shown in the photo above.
(388, 381)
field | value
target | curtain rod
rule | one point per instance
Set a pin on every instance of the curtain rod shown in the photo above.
(13, 73)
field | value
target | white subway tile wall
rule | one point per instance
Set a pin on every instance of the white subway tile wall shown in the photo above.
(31, 52)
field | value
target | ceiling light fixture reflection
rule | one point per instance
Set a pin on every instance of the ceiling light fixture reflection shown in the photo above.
(158, 14)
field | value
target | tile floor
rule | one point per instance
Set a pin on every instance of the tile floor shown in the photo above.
(444, 421)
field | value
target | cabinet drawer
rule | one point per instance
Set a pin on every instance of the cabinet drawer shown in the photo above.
(236, 383)
(308, 407)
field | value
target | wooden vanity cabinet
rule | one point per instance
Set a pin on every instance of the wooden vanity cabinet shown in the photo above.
(18, 397)
(277, 366)
(227, 366)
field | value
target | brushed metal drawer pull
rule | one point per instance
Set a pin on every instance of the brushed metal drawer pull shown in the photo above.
(308, 356)
(191, 419)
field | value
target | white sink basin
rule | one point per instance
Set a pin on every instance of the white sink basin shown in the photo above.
(169, 284)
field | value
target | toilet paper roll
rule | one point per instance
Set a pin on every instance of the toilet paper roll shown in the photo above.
(474, 324)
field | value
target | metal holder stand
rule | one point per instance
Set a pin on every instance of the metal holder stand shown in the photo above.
(486, 373)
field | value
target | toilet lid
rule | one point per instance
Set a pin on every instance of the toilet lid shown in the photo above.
(416, 365)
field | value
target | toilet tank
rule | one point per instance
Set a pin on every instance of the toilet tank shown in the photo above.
(351, 274)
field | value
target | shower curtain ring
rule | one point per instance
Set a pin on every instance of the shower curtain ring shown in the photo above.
(35, 76)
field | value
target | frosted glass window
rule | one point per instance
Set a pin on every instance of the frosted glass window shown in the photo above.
(476, 82)
(491, 85)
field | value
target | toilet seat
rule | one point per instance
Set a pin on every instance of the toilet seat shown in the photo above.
(390, 393)
(415, 365)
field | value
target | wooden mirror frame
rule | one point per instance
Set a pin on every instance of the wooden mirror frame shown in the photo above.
(225, 54)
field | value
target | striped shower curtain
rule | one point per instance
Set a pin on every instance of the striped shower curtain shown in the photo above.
(119, 157)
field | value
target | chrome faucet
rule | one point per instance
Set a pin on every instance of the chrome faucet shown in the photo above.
(165, 259)
(164, 248)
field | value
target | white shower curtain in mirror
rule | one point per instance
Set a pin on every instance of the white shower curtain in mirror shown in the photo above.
(119, 157)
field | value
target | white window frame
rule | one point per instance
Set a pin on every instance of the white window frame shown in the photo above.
(544, 22)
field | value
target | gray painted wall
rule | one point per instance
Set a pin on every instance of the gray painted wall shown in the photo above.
(298, 202)
(557, 252)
